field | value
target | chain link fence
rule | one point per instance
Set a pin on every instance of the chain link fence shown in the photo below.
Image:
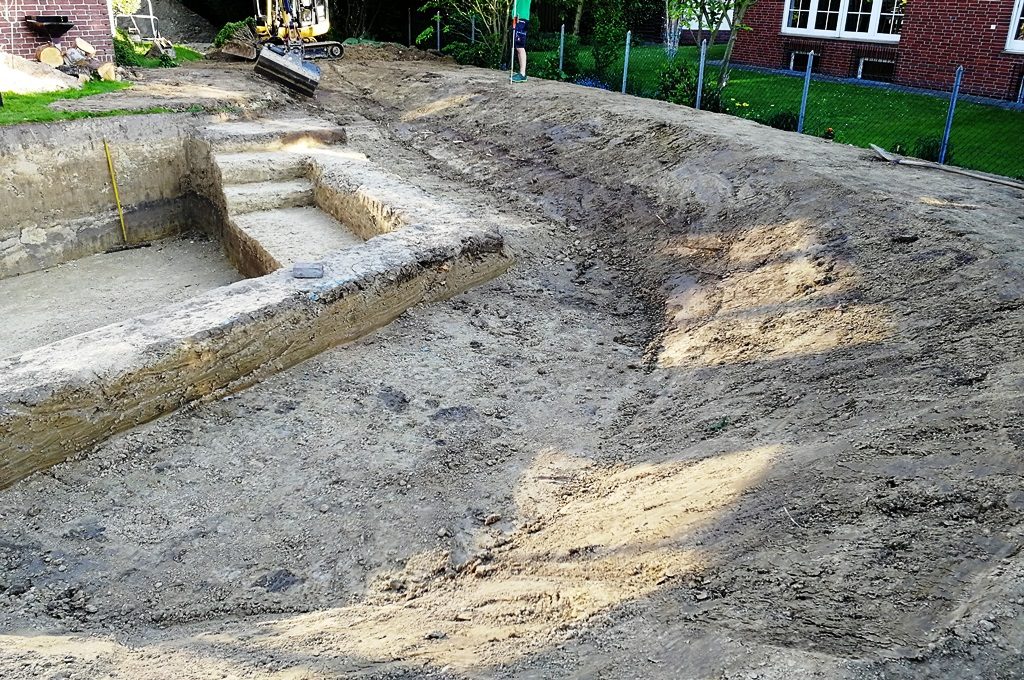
(965, 131)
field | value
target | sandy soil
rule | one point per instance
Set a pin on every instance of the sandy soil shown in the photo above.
(53, 304)
(180, 24)
(208, 86)
(22, 76)
(747, 407)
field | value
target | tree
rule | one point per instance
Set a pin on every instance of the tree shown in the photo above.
(734, 21)
(609, 35)
(703, 18)
(709, 16)
(359, 16)
(493, 17)
(126, 6)
(575, 7)
(578, 18)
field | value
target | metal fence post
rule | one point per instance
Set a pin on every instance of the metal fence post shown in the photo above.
(410, 27)
(472, 29)
(438, 31)
(561, 50)
(700, 72)
(625, 64)
(807, 88)
(949, 116)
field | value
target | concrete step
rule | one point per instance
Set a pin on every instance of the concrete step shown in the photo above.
(247, 198)
(246, 167)
(291, 235)
(270, 133)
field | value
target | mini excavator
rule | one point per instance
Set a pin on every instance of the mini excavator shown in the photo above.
(288, 31)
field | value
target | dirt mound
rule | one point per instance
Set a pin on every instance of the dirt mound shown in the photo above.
(21, 76)
(375, 52)
(180, 24)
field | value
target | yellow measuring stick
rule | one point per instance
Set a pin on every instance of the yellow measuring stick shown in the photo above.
(117, 196)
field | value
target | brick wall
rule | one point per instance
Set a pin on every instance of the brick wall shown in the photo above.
(766, 46)
(938, 35)
(967, 38)
(92, 23)
(761, 46)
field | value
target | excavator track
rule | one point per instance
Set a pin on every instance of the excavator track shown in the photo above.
(324, 50)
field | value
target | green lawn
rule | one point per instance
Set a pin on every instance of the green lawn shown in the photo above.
(862, 115)
(645, 63)
(858, 114)
(34, 108)
(139, 59)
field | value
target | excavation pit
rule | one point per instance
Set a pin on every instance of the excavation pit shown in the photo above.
(724, 418)
(273, 194)
(56, 303)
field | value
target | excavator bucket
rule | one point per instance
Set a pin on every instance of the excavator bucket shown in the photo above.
(288, 68)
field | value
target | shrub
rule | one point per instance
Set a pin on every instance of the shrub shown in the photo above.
(713, 100)
(126, 53)
(547, 68)
(124, 50)
(677, 83)
(232, 27)
(609, 36)
(570, 59)
(548, 42)
(486, 52)
(785, 120)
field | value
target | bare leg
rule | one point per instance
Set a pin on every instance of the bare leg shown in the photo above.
(522, 60)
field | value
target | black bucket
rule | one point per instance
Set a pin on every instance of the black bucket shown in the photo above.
(288, 68)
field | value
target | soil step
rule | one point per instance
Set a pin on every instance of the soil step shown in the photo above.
(247, 167)
(269, 134)
(291, 235)
(247, 198)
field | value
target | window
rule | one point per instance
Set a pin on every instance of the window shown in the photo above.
(827, 18)
(799, 14)
(858, 16)
(890, 21)
(798, 61)
(883, 70)
(1015, 42)
(874, 20)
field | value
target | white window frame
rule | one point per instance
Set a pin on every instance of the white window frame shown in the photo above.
(872, 34)
(1012, 43)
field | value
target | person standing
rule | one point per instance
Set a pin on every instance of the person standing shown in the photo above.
(520, 20)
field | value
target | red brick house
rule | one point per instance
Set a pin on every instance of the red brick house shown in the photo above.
(917, 43)
(92, 20)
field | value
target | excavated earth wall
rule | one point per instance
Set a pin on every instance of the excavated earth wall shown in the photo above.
(61, 206)
(63, 397)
